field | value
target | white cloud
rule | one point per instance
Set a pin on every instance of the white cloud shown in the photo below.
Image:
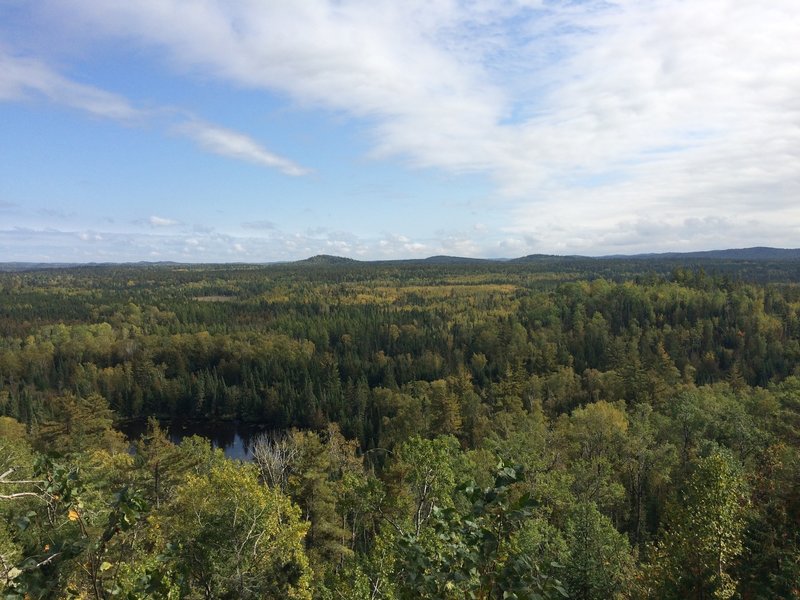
(161, 221)
(237, 145)
(393, 245)
(22, 77)
(380, 60)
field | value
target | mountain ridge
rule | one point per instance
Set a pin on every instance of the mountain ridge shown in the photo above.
(756, 253)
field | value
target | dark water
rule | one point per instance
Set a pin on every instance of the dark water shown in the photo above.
(235, 439)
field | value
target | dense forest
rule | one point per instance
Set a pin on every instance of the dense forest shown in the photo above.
(540, 428)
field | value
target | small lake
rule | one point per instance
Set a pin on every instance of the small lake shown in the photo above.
(234, 438)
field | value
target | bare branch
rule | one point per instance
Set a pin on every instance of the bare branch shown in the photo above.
(275, 454)
(20, 495)
(4, 479)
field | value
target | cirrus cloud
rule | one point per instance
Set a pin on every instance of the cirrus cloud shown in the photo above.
(23, 77)
(237, 145)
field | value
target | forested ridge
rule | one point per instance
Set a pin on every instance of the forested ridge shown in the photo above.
(541, 428)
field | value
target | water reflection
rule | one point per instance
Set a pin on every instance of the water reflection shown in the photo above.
(234, 438)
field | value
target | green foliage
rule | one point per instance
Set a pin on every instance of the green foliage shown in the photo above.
(470, 554)
(224, 535)
(653, 407)
(79, 424)
(703, 532)
(600, 565)
(423, 477)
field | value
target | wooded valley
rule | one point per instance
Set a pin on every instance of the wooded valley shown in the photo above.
(546, 428)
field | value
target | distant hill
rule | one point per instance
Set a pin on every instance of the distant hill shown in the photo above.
(326, 259)
(757, 253)
(443, 259)
(545, 257)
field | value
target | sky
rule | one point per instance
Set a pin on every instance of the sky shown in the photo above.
(271, 130)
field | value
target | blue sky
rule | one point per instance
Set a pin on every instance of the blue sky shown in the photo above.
(265, 130)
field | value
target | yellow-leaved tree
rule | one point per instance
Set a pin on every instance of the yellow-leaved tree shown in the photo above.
(227, 535)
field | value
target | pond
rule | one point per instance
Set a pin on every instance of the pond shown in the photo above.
(233, 437)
